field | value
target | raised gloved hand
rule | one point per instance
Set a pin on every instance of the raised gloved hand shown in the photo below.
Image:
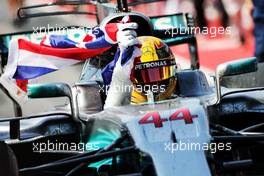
(126, 35)
(120, 88)
(127, 41)
(122, 32)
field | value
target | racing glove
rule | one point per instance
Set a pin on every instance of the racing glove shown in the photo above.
(122, 32)
(126, 36)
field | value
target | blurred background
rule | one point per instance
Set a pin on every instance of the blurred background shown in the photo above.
(235, 14)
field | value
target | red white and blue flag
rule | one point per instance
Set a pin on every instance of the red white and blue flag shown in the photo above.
(27, 60)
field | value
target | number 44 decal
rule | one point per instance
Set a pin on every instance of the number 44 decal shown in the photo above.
(154, 117)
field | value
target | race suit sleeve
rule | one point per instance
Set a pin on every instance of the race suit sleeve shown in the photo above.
(120, 88)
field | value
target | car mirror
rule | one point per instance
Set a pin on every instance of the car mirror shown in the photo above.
(34, 11)
(231, 68)
(52, 90)
(237, 67)
(49, 90)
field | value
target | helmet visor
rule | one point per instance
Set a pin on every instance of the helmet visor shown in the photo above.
(154, 71)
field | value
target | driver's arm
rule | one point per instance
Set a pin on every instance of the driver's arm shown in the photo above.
(120, 89)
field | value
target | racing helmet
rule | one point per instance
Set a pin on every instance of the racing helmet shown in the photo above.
(153, 72)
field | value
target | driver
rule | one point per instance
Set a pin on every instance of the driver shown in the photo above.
(147, 76)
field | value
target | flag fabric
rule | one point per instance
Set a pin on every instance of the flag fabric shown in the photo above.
(107, 72)
(28, 61)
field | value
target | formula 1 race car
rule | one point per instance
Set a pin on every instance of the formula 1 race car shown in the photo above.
(205, 130)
